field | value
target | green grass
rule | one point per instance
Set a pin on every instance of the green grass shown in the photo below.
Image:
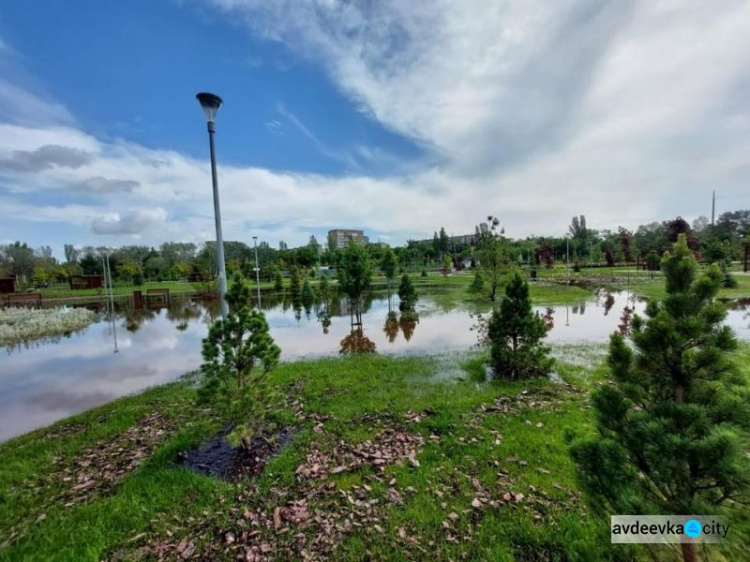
(655, 288)
(522, 451)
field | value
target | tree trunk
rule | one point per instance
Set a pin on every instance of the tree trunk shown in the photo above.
(679, 394)
(689, 553)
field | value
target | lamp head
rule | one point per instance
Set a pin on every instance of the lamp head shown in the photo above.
(210, 104)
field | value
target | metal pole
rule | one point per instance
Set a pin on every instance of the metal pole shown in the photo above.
(257, 269)
(220, 267)
(567, 252)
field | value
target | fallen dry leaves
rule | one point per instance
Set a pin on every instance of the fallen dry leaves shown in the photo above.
(100, 467)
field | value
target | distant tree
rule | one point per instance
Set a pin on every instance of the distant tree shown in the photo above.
(701, 223)
(128, 270)
(477, 285)
(407, 295)
(445, 241)
(307, 295)
(278, 281)
(545, 254)
(653, 261)
(18, 259)
(515, 334)
(733, 225)
(332, 243)
(177, 252)
(493, 253)
(354, 274)
(446, 265)
(314, 245)
(626, 238)
(579, 234)
(295, 285)
(71, 254)
(671, 423)
(389, 263)
(609, 256)
(680, 226)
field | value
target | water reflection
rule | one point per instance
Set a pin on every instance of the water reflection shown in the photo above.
(156, 346)
(356, 342)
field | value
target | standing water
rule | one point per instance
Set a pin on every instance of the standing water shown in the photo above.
(42, 382)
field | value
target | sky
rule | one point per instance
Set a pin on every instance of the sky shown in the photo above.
(396, 117)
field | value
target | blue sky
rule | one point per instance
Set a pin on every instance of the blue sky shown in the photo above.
(390, 116)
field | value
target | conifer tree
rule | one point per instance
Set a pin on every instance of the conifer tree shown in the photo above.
(670, 424)
(477, 285)
(515, 334)
(238, 353)
(307, 295)
(295, 286)
(278, 281)
(407, 295)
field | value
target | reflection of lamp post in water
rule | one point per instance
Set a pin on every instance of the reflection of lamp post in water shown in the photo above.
(109, 290)
(257, 269)
(567, 317)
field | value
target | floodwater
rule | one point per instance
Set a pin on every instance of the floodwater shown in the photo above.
(45, 381)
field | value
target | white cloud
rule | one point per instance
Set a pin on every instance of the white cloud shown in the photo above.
(134, 221)
(628, 112)
(44, 158)
(103, 185)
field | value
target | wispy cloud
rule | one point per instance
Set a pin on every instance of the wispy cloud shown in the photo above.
(342, 156)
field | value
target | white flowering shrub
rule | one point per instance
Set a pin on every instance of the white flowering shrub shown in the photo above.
(19, 325)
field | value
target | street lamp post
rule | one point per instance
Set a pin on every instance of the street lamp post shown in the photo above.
(211, 104)
(567, 253)
(257, 269)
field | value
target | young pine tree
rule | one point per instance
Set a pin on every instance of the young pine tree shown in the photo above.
(278, 281)
(238, 353)
(515, 335)
(307, 295)
(477, 285)
(670, 424)
(407, 295)
(295, 285)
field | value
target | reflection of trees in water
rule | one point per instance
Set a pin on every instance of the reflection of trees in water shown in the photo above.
(609, 302)
(391, 326)
(549, 317)
(136, 318)
(183, 311)
(627, 315)
(408, 323)
(356, 342)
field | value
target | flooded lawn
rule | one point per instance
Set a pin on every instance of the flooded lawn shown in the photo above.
(49, 380)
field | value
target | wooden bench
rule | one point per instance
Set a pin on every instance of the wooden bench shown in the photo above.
(157, 297)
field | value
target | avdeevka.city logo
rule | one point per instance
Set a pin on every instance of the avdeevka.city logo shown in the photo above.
(693, 528)
(667, 529)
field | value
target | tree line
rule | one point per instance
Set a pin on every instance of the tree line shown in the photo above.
(715, 243)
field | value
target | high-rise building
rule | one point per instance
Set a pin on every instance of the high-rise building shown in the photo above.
(344, 237)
